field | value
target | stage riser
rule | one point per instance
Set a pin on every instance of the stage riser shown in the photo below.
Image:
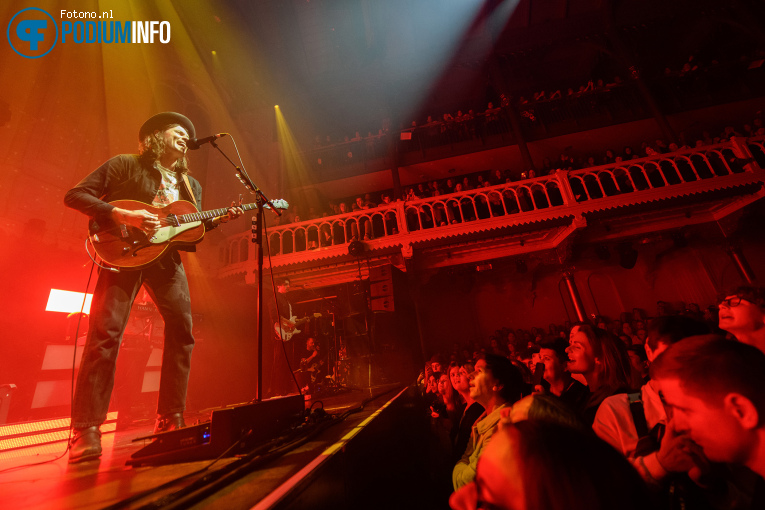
(378, 468)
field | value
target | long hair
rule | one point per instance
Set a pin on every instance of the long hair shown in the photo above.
(456, 397)
(613, 373)
(567, 469)
(550, 408)
(450, 396)
(152, 147)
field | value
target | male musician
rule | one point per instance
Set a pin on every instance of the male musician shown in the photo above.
(312, 366)
(157, 176)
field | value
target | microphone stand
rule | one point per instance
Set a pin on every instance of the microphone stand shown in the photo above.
(257, 237)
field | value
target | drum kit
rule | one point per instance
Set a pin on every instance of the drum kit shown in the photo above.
(335, 373)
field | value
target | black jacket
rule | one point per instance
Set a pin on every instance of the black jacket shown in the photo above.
(123, 177)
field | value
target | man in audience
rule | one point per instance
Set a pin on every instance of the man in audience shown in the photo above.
(615, 422)
(743, 315)
(714, 392)
(495, 384)
(562, 385)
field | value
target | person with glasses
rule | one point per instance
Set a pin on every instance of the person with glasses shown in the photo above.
(742, 314)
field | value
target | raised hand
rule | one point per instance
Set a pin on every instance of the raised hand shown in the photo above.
(677, 453)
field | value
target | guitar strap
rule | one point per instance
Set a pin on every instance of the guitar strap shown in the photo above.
(189, 190)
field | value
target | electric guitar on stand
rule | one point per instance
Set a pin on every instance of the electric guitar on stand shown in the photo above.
(287, 328)
(129, 247)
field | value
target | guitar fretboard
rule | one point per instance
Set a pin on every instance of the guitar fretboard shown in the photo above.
(206, 215)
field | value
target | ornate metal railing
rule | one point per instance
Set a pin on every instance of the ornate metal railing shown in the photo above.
(562, 193)
(659, 171)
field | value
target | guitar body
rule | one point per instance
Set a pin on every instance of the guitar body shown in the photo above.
(287, 328)
(131, 248)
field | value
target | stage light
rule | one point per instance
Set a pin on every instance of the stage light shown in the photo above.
(67, 301)
(22, 435)
(214, 53)
(276, 106)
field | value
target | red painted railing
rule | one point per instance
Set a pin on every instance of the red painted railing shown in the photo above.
(562, 193)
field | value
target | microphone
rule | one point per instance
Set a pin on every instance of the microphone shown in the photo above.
(195, 143)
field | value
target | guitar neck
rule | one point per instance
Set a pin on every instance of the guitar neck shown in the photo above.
(214, 213)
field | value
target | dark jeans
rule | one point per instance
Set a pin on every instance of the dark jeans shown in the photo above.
(109, 312)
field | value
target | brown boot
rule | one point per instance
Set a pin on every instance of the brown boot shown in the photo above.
(85, 445)
(168, 422)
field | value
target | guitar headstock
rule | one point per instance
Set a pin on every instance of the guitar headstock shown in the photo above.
(280, 203)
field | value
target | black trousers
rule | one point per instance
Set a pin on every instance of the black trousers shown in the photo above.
(109, 312)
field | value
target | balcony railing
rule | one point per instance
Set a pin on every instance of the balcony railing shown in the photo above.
(560, 194)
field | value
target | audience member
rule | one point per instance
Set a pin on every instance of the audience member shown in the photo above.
(713, 391)
(471, 411)
(541, 407)
(602, 360)
(742, 314)
(451, 401)
(634, 424)
(638, 365)
(495, 384)
(539, 465)
(570, 391)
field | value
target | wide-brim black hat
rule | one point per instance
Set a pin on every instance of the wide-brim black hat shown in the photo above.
(163, 119)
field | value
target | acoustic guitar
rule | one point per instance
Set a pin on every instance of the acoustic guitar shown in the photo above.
(129, 247)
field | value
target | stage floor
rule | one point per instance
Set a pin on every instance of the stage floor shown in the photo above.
(109, 482)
